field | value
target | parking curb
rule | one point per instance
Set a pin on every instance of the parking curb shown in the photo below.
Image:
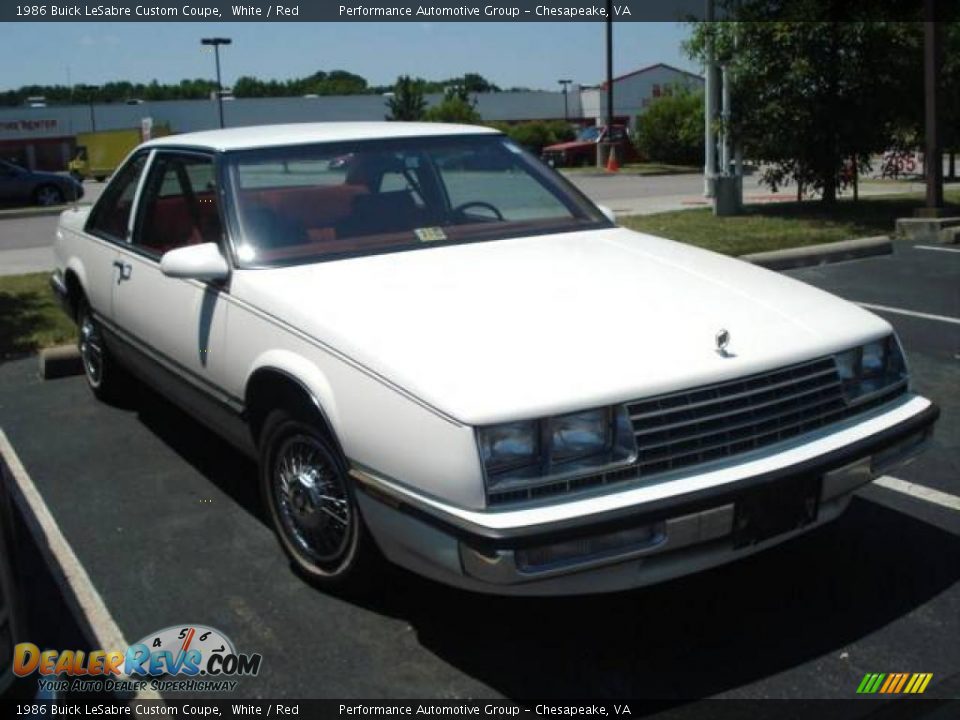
(61, 361)
(822, 254)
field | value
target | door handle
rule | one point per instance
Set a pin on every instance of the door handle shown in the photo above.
(126, 270)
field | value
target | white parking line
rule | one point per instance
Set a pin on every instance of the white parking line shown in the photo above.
(921, 492)
(911, 313)
(940, 249)
(67, 569)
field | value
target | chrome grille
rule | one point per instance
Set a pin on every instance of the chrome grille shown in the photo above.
(691, 427)
(716, 421)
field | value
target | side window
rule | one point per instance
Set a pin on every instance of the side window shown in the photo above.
(112, 212)
(179, 205)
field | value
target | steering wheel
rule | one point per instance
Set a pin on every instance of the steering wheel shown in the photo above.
(461, 209)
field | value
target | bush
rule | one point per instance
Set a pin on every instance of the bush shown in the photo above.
(537, 134)
(671, 130)
(453, 110)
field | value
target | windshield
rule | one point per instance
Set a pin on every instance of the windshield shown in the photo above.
(589, 134)
(319, 202)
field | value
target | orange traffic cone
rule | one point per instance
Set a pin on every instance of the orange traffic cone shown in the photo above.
(612, 164)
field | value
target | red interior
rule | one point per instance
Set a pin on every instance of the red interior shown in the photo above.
(318, 209)
(170, 224)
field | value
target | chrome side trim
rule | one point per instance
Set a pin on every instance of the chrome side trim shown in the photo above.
(200, 383)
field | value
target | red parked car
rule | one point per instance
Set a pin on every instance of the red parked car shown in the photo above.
(583, 150)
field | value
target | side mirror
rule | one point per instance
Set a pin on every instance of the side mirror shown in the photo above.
(608, 213)
(198, 262)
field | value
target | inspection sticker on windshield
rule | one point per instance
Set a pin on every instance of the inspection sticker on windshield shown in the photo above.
(430, 234)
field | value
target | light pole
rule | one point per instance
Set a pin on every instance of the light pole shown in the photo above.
(217, 42)
(89, 90)
(566, 112)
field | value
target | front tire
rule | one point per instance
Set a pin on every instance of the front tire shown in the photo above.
(310, 500)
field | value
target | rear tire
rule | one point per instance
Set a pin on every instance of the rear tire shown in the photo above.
(310, 500)
(105, 378)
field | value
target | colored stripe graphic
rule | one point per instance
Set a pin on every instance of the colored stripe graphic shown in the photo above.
(891, 679)
(894, 683)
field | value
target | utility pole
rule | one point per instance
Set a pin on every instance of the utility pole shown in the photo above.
(609, 64)
(217, 42)
(566, 111)
(603, 158)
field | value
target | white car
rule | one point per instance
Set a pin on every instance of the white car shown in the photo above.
(441, 352)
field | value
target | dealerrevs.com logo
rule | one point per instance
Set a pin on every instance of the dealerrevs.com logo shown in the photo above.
(185, 658)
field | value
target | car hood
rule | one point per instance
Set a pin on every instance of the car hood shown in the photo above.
(501, 330)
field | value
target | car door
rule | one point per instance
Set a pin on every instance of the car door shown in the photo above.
(174, 327)
(109, 226)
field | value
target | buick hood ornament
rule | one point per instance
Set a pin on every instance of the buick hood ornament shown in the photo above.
(723, 339)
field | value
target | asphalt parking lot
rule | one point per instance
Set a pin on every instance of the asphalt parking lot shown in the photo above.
(165, 518)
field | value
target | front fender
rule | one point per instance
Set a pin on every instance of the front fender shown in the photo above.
(306, 374)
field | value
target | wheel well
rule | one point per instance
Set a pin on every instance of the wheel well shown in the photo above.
(271, 389)
(74, 292)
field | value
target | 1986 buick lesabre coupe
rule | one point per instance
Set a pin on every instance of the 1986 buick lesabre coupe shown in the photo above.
(441, 352)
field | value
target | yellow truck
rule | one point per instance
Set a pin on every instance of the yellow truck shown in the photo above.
(98, 154)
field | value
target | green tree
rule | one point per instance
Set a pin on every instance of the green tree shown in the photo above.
(671, 129)
(335, 82)
(950, 93)
(453, 110)
(809, 97)
(456, 107)
(407, 102)
(476, 83)
(248, 87)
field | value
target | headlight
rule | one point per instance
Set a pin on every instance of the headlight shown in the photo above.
(872, 367)
(579, 435)
(519, 453)
(512, 446)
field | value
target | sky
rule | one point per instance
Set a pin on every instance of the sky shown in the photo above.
(520, 54)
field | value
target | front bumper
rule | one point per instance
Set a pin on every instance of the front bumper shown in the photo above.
(704, 521)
